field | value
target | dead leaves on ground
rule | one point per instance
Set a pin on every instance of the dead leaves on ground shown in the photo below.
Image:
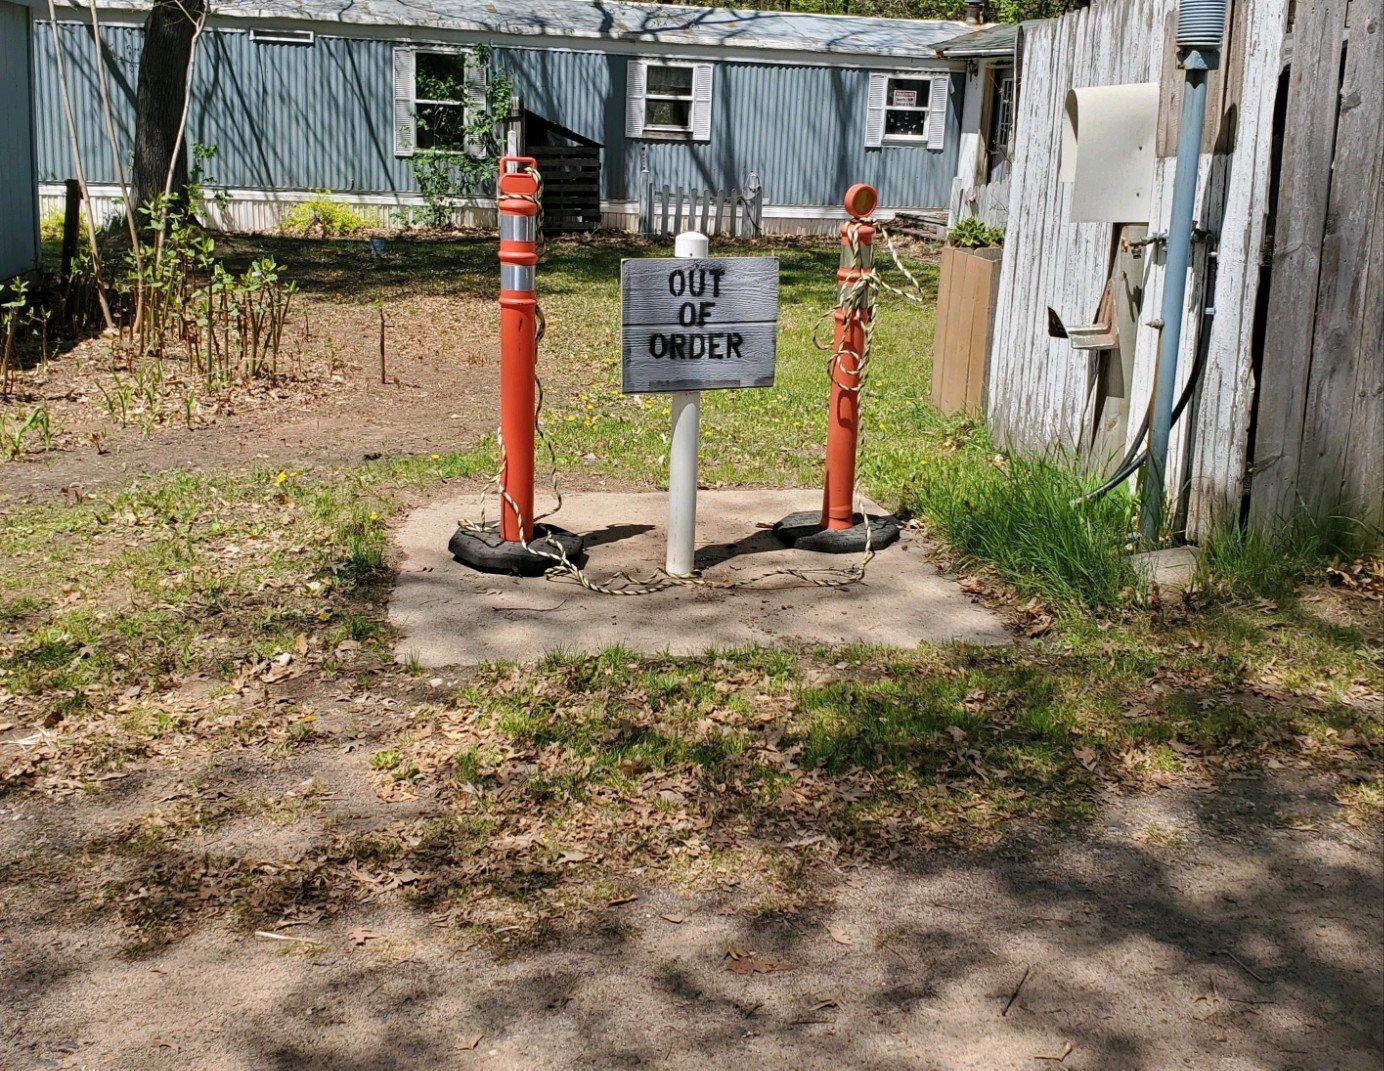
(744, 962)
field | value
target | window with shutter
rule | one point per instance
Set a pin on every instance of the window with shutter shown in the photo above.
(909, 108)
(668, 100)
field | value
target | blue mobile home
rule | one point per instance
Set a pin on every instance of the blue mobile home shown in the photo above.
(18, 203)
(304, 95)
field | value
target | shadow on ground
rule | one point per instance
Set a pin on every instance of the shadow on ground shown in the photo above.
(1186, 928)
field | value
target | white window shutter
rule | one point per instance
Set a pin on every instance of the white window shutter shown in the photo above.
(636, 79)
(937, 111)
(405, 121)
(874, 110)
(476, 103)
(701, 102)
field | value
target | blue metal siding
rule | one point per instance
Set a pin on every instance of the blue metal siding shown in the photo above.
(121, 51)
(299, 118)
(801, 128)
(281, 116)
(293, 117)
(18, 197)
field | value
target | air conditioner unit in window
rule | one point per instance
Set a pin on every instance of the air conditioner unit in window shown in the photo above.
(283, 37)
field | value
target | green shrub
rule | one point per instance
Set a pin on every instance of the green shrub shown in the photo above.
(970, 233)
(50, 225)
(322, 217)
(1021, 518)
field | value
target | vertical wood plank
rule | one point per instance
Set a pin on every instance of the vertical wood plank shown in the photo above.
(1304, 186)
(1346, 296)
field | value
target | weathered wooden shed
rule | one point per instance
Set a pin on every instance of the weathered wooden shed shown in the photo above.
(303, 95)
(1283, 313)
(18, 200)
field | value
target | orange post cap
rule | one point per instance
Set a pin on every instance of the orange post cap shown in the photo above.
(860, 200)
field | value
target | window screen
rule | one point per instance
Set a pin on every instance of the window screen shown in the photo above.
(1002, 120)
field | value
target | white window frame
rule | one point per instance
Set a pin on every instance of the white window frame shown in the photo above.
(689, 96)
(926, 109)
(700, 100)
(282, 37)
(463, 103)
(878, 107)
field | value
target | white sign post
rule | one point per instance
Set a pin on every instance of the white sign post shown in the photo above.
(683, 441)
(687, 325)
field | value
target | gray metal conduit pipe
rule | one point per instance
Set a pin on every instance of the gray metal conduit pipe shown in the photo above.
(1200, 27)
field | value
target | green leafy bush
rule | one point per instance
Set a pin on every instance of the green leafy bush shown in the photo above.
(50, 225)
(322, 217)
(970, 233)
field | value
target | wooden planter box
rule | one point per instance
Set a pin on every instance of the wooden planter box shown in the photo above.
(966, 294)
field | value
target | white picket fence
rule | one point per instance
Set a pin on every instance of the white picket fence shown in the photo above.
(670, 210)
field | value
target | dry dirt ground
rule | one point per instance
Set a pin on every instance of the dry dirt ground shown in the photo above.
(440, 394)
(1187, 929)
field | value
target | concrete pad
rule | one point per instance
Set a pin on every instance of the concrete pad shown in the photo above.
(1169, 569)
(448, 614)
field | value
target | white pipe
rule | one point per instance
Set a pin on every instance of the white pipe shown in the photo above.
(682, 452)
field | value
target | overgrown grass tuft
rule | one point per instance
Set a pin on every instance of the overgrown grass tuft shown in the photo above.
(1020, 517)
(1247, 563)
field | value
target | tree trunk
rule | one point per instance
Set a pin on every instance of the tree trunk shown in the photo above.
(163, 67)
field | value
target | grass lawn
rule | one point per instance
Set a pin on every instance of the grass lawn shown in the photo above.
(771, 437)
(148, 633)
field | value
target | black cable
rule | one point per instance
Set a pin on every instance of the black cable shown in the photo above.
(1136, 456)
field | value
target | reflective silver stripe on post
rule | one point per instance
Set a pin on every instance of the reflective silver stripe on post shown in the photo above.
(867, 256)
(516, 276)
(517, 228)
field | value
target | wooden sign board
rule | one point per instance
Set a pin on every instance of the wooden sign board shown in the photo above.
(704, 323)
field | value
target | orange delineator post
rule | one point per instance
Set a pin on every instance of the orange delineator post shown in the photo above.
(843, 415)
(518, 190)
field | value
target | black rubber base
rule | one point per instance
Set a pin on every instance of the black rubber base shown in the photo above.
(804, 531)
(483, 549)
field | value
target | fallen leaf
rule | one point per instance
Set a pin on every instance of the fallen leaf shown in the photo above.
(676, 920)
(742, 962)
(839, 936)
(469, 1041)
(361, 935)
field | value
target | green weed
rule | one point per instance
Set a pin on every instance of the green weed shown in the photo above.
(1244, 562)
(1022, 518)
